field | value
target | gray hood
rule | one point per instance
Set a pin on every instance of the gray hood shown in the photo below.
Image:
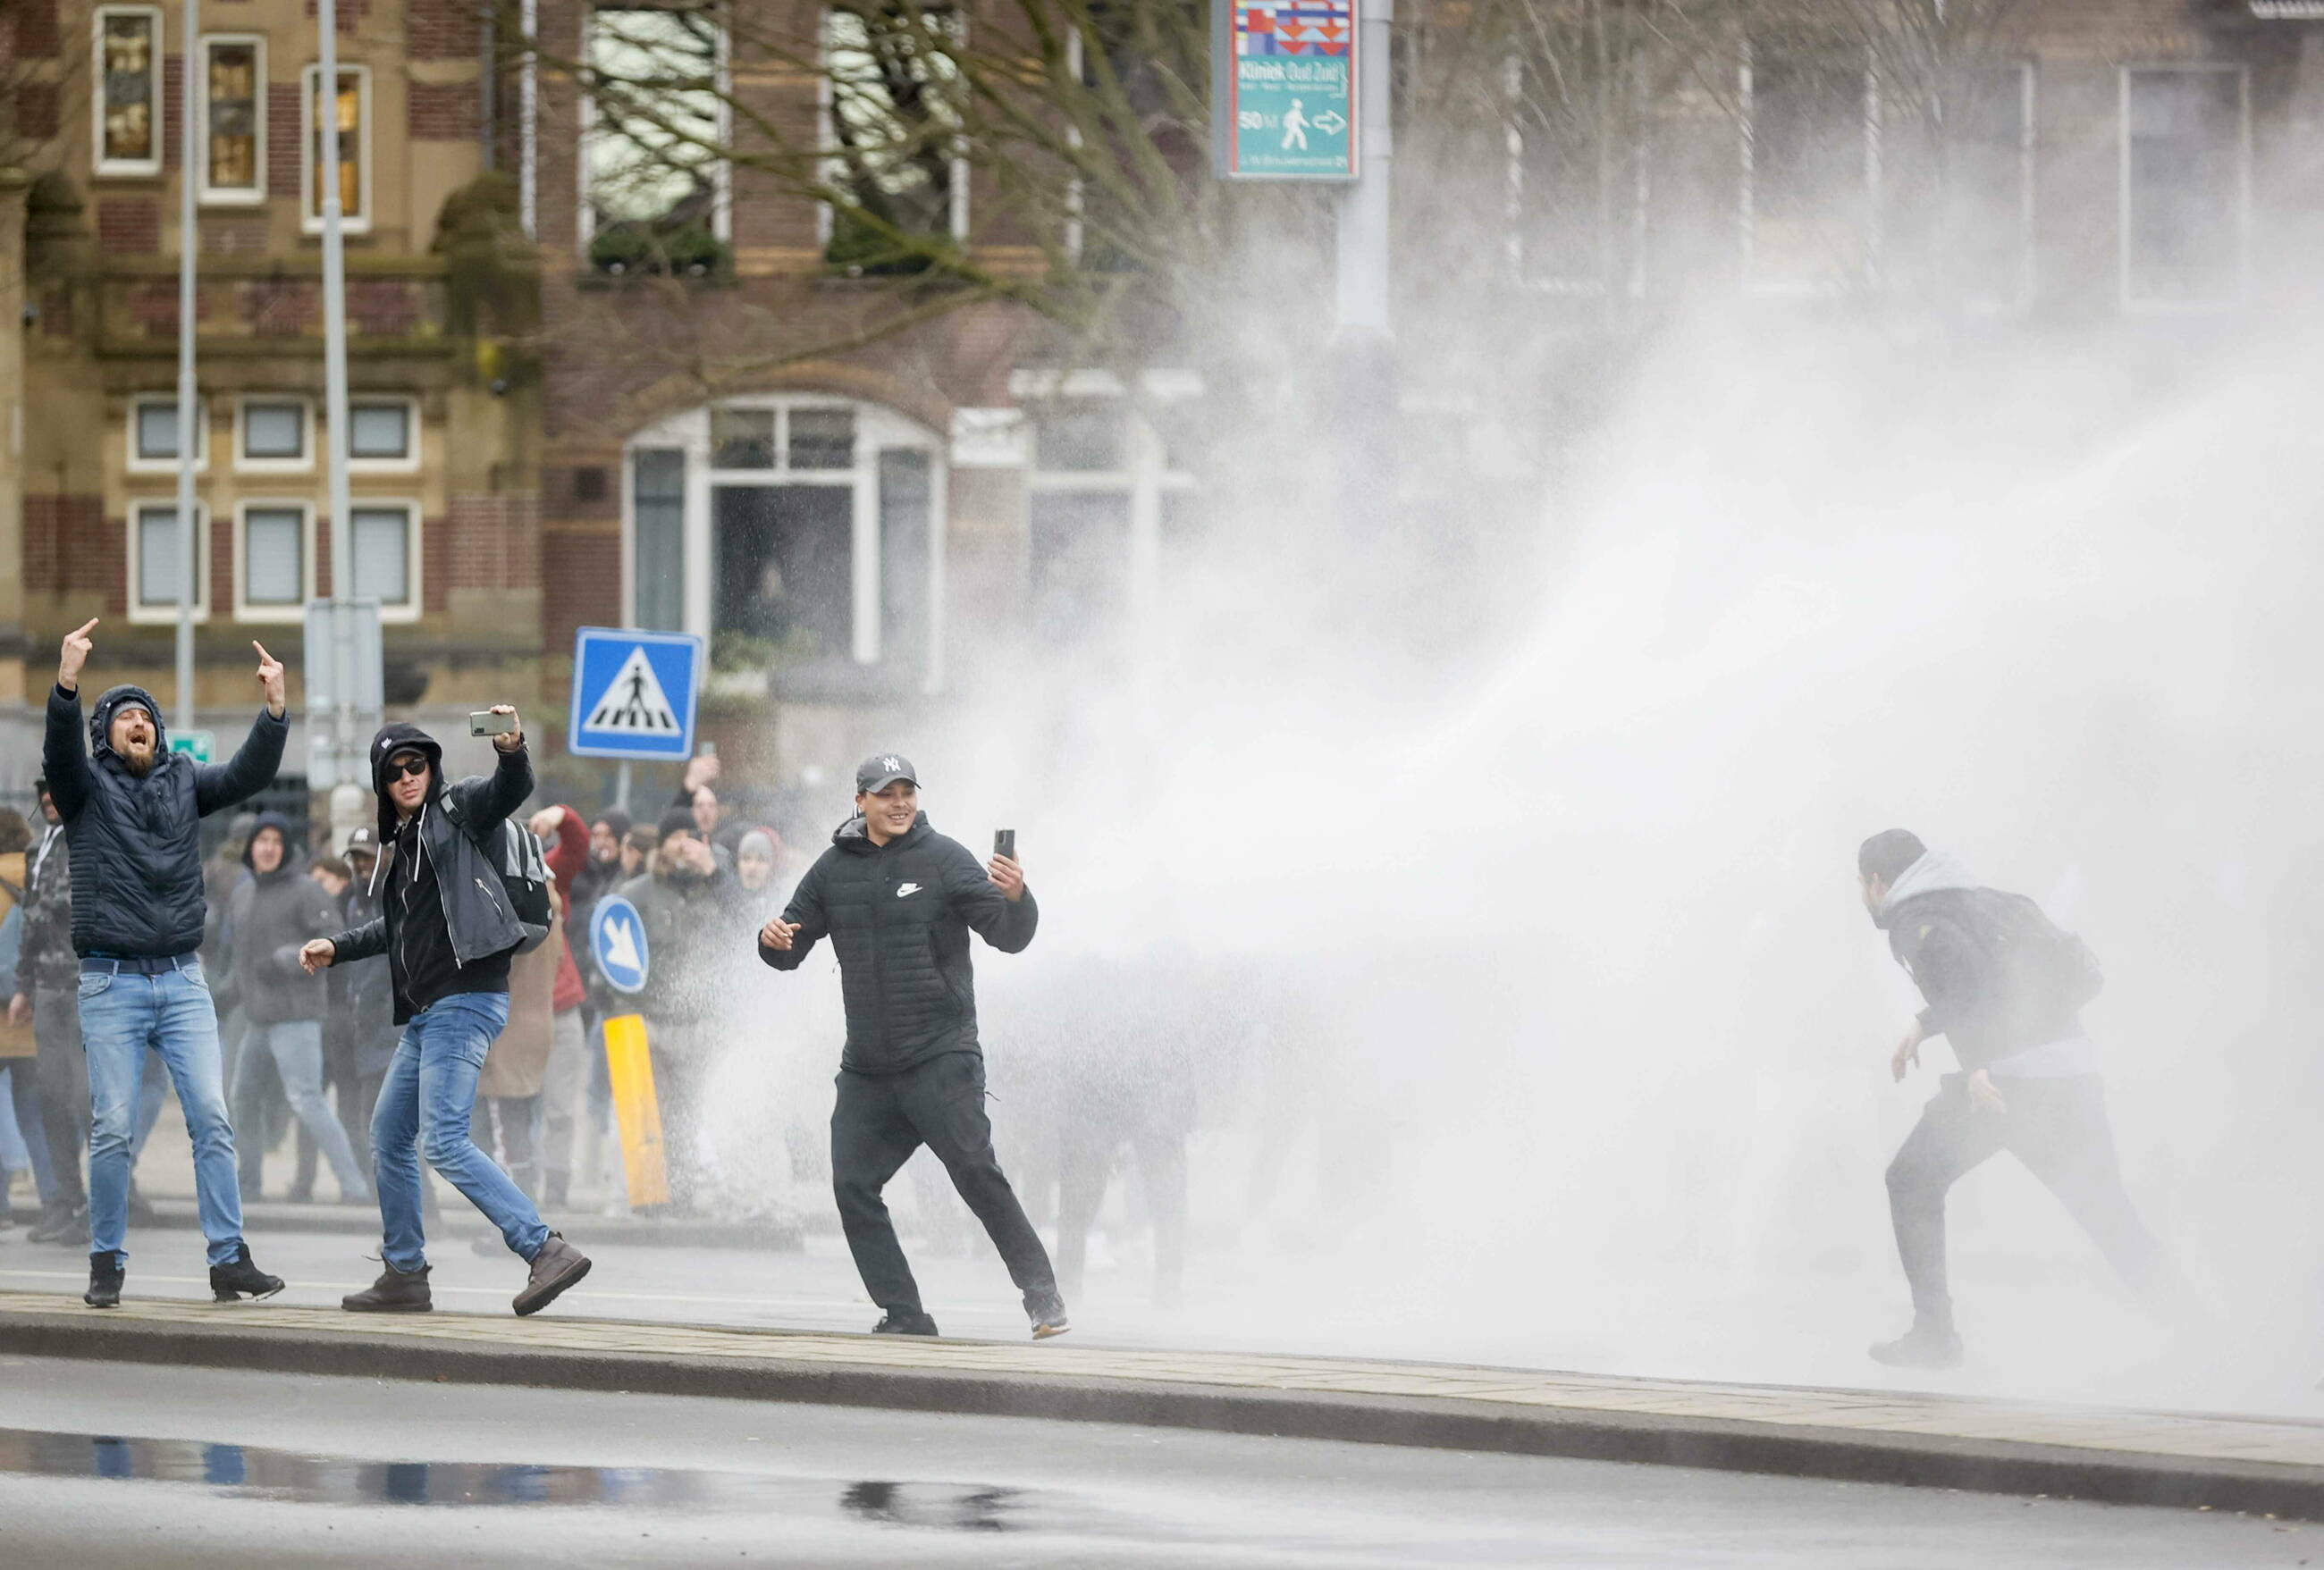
(1936, 870)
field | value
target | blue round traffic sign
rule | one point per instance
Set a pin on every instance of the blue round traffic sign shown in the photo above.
(617, 938)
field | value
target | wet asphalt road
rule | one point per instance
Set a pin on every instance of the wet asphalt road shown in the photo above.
(105, 1465)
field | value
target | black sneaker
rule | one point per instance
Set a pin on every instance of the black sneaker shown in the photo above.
(1927, 1345)
(1049, 1316)
(238, 1278)
(903, 1322)
(395, 1292)
(104, 1274)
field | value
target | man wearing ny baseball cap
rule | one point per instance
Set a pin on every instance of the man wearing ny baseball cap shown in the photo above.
(897, 901)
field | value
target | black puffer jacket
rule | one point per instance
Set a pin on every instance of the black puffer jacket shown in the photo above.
(136, 849)
(898, 916)
(1947, 940)
(269, 917)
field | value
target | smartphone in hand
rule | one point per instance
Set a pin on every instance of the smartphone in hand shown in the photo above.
(1004, 843)
(488, 724)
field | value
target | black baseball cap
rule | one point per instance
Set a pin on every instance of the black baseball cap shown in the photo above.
(882, 769)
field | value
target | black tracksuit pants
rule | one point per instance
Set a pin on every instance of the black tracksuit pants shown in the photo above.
(877, 1123)
(2058, 1129)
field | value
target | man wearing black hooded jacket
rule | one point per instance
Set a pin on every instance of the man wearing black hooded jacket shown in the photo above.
(131, 811)
(448, 930)
(897, 901)
(2006, 988)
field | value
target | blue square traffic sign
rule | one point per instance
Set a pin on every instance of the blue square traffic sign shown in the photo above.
(634, 694)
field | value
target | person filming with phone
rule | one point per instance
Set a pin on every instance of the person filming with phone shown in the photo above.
(448, 927)
(897, 901)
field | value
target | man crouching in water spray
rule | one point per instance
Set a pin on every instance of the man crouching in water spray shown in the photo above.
(2006, 987)
(897, 899)
(448, 930)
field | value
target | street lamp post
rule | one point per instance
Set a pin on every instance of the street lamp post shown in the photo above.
(189, 566)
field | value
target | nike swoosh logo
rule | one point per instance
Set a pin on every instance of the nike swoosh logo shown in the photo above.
(903, 889)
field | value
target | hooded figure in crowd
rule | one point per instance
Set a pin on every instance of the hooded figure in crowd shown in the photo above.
(2006, 988)
(449, 931)
(271, 915)
(897, 901)
(133, 812)
(684, 899)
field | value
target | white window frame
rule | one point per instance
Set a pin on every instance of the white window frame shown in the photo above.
(1748, 193)
(878, 429)
(141, 613)
(1632, 283)
(231, 196)
(2242, 285)
(826, 99)
(244, 464)
(243, 610)
(415, 519)
(310, 217)
(136, 464)
(125, 168)
(722, 171)
(407, 465)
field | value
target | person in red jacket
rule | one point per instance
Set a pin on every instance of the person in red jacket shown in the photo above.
(564, 835)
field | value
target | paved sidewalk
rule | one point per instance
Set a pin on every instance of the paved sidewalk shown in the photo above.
(2258, 1465)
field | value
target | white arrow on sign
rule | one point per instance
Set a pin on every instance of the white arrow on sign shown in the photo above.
(1329, 122)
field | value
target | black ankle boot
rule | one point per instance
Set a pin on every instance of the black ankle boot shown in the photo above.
(395, 1292)
(104, 1281)
(238, 1278)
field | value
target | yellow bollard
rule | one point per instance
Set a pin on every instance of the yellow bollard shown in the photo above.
(631, 1071)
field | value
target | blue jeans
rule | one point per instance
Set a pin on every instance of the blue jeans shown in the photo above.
(424, 1106)
(123, 1015)
(295, 1047)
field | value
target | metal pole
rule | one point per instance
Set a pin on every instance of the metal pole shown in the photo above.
(1363, 295)
(335, 390)
(1364, 347)
(189, 432)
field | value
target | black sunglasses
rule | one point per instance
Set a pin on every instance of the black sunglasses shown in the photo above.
(414, 766)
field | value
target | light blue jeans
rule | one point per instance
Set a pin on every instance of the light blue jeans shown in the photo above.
(123, 1016)
(424, 1106)
(296, 1048)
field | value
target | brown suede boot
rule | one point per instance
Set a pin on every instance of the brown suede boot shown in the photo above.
(395, 1292)
(556, 1267)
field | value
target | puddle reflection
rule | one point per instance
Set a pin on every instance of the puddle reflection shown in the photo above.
(288, 1475)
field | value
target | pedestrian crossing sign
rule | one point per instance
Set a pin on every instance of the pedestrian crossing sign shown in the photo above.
(634, 694)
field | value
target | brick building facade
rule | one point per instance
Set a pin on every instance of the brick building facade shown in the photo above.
(583, 442)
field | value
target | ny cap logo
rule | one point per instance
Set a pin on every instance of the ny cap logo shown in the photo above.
(893, 765)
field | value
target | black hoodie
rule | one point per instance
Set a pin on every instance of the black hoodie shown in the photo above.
(136, 841)
(445, 925)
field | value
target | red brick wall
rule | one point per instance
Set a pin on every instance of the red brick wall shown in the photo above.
(221, 564)
(173, 105)
(36, 110)
(442, 111)
(128, 226)
(282, 151)
(67, 549)
(582, 572)
(441, 30)
(37, 37)
(496, 542)
(435, 564)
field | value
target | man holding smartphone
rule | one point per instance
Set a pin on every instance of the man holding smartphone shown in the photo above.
(897, 901)
(448, 928)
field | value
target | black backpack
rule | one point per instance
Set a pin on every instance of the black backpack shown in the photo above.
(524, 876)
(2042, 966)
